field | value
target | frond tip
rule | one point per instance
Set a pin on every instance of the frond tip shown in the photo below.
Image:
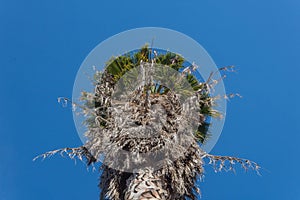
(227, 163)
(79, 152)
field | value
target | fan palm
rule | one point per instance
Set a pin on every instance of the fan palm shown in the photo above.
(133, 176)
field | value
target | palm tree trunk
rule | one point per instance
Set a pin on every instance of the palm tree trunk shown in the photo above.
(145, 185)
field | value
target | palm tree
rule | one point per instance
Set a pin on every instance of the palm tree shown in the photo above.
(166, 164)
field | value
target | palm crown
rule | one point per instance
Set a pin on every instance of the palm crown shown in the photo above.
(166, 162)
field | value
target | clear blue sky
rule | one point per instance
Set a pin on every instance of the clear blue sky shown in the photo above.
(42, 44)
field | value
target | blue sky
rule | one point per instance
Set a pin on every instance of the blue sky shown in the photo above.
(43, 43)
